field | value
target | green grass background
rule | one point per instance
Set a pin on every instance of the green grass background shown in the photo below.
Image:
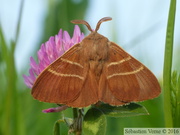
(20, 114)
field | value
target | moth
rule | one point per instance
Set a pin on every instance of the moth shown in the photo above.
(95, 70)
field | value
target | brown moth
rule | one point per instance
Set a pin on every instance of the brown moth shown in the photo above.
(93, 70)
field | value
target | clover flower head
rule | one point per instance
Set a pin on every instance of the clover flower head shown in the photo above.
(50, 51)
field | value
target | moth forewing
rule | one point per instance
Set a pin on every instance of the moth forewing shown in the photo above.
(61, 81)
(128, 79)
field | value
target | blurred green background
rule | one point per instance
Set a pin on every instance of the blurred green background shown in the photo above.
(138, 26)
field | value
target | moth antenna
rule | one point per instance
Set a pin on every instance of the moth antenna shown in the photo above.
(102, 20)
(82, 22)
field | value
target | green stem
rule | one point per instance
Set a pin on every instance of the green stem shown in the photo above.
(19, 23)
(78, 119)
(168, 65)
(75, 113)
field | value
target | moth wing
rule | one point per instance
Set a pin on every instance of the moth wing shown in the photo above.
(127, 78)
(63, 80)
(88, 94)
(105, 94)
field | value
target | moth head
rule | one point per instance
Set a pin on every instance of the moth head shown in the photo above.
(88, 26)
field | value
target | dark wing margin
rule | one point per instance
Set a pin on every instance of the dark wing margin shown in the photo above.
(127, 78)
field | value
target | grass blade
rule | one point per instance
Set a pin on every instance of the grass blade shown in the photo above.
(168, 65)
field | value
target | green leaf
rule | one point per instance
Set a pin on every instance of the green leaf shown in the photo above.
(175, 98)
(177, 123)
(94, 122)
(60, 127)
(56, 128)
(69, 121)
(131, 109)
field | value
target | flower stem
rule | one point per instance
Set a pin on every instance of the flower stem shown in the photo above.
(75, 113)
(78, 119)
